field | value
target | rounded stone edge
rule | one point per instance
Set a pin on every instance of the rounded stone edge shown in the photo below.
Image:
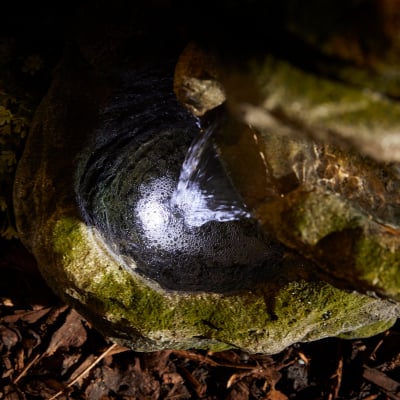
(138, 313)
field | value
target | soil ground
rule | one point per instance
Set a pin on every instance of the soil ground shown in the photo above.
(49, 351)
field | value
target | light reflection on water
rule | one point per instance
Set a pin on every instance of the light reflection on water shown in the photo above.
(165, 229)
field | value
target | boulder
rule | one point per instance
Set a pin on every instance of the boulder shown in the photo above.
(102, 157)
(308, 132)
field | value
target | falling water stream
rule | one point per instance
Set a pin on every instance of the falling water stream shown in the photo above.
(204, 192)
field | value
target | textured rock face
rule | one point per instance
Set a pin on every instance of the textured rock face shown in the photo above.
(323, 148)
(100, 145)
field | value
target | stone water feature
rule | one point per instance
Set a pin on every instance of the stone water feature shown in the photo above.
(93, 203)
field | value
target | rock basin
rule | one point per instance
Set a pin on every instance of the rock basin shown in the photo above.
(95, 160)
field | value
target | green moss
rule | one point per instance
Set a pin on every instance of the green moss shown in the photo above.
(377, 260)
(289, 82)
(369, 330)
(314, 215)
(375, 254)
(226, 318)
(68, 239)
(150, 310)
(66, 234)
(318, 303)
(113, 289)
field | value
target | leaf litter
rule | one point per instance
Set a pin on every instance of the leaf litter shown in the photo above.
(49, 351)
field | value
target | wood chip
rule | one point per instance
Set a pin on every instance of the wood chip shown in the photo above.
(388, 385)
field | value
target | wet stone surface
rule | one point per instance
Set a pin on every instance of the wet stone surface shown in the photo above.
(125, 182)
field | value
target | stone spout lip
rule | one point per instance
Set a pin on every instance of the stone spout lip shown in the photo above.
(82, 238)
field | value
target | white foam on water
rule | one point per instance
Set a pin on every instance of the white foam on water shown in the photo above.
(167, 229)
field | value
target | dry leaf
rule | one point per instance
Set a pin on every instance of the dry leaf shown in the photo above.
(71, 334)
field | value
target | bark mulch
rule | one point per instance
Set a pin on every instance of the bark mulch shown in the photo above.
(49, 351)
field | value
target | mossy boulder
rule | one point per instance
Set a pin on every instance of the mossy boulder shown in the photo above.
(80, 231)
